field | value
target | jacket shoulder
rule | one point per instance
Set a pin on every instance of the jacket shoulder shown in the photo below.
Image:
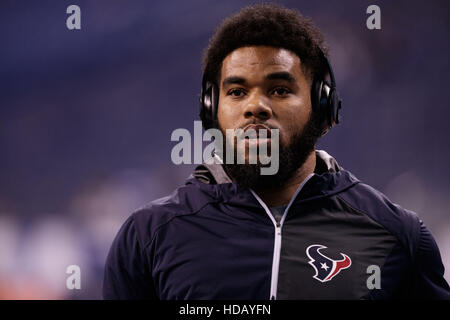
(185, 200)
(404, 224)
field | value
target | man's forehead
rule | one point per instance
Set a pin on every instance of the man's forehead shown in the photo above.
(260, 57)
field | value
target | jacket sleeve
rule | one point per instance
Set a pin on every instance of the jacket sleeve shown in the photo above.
(428, 279)
(127, 274)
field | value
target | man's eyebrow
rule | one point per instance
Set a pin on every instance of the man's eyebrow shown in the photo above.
(232, 80)
(281, 76)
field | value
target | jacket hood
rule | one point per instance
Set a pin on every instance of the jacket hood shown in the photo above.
(329, 178)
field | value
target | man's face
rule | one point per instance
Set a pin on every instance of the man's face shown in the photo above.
(266, 86)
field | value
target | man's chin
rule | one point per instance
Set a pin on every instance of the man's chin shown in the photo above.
(290, 160)
(249, 175)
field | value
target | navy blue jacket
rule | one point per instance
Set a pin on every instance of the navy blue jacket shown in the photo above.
(338, 238)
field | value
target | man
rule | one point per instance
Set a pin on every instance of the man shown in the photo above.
(311, 231)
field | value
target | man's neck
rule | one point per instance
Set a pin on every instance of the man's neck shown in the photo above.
(282, 195)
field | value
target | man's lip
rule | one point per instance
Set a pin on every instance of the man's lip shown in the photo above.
(258, 127)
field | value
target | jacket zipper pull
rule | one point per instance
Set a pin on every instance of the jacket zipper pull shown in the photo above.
(278, 228)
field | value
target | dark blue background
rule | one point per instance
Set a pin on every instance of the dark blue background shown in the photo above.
(86, 118)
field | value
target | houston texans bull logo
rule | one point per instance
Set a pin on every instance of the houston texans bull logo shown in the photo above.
(326, 268)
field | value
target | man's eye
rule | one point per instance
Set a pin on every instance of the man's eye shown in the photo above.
(236, 92)
(280, 91)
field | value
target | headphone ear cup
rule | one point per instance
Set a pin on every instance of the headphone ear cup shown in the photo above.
(207, 105)
(214, 105)
(335, 106)
(320, 104)
(316, 89)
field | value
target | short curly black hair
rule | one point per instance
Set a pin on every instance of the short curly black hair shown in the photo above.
(267, 25)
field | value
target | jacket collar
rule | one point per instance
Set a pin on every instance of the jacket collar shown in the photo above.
(328, 179)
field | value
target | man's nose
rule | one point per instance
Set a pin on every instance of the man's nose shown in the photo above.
(258, 106)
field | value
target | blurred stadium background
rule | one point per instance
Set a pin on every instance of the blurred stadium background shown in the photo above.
(86, 118)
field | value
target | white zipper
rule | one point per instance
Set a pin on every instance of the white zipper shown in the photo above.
(277, 244)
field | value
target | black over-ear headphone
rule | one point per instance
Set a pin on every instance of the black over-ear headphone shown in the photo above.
(324, 100)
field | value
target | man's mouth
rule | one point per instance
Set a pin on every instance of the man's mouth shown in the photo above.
(257, 132)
